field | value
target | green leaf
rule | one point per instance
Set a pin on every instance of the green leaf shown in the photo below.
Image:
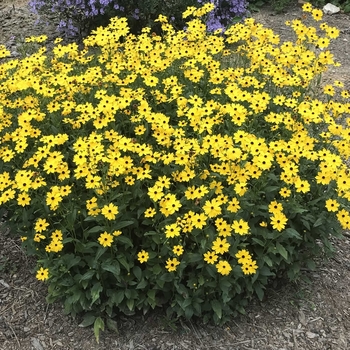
(150, 233)
(267, 260)
(111, 266)
(310, 264)
(98, 325)
(282, 250)
(112, 325)
(297, 210)
(160, 283)
(95, 292)
(84, 284)
(188, 312)
(258, 241)
(271, 189)
(194, 257)
(87, 275)
(259, 291)
(167, 277)
(122, 224)
(71, 218)
(96, 229)
(318, 222)
(151, 294)
(117, 297)
(125, 240)
(186, 303)
(306, 224)
(130, 304)
(157, 269)
(100, 251)
(216, 305)
(88, 320)
(122, 260)
(73, 261)
(90, 218)
(291, 233)
(265, 271)
(142, 284)
(137, 272)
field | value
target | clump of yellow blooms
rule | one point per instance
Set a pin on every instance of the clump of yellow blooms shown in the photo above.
(190, 163)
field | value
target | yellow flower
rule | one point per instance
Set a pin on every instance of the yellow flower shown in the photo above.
(110, 211)
(42, 274)
(278, 221)
(150, 212)
(23, 199)
(249, 268)
(57, 235)
(155, 193)
(224, 268)
(140, 130)
(220, 246)
(212, 208)
(344, 219)
(233, 205)
(189, 11)
(178, 250)
(307, 7)
(105, 239)
(38, 237)
(172, 230)
(210, 257)
(171, 264)
(55, 246)
(275, 207)
(199, 220)
(41, 225)
(171, 204)
(285, 192)
(317, 14)
(243, 256)
(329, 90)
(302, 186)
(241, 227)
(332, 205)
(142, 256)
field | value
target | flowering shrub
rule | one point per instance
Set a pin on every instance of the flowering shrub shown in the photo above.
(224, 13)
(78, 17)
(183, 171)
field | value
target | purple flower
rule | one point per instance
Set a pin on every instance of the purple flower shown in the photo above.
(224, 13)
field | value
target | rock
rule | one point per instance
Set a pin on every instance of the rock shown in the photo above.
(311, 335)
(6, 285)
(36, 344)
(330, 9)
(302, 318)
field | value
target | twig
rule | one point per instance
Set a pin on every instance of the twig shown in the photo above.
(346, 234)
(234, 344)
(296, 347)
(196, 333)
(14, 333)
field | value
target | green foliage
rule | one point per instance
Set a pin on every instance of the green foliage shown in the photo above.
(185, 170)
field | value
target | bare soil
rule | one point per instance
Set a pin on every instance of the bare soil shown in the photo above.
(300, 316)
